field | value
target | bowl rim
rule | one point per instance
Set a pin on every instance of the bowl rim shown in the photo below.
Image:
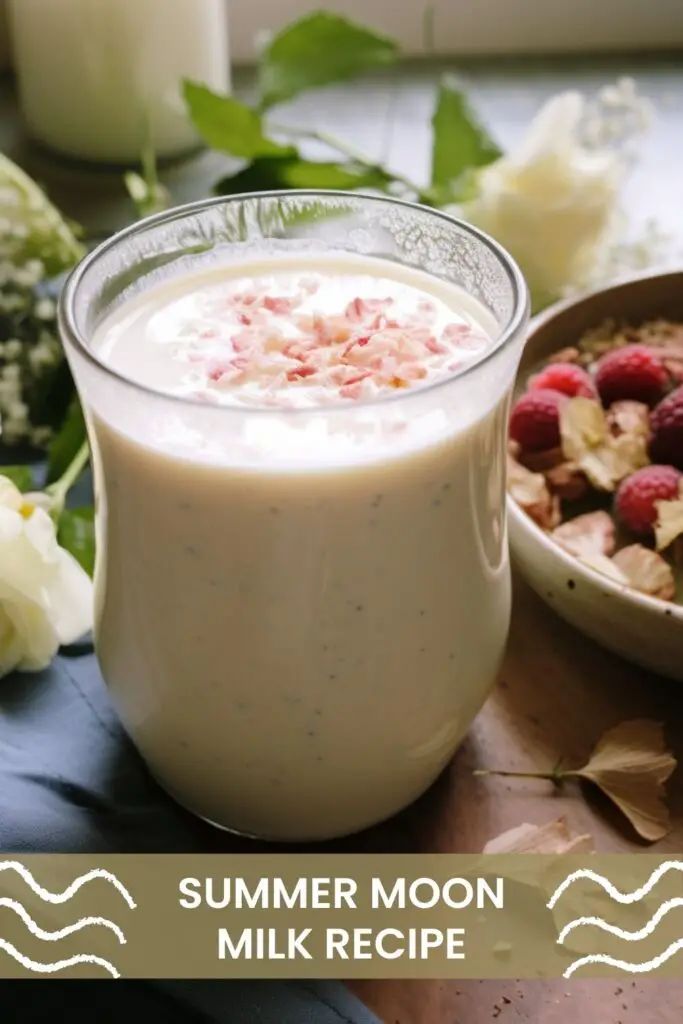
(643, 602)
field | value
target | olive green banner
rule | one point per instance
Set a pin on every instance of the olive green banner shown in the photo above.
(340, 916)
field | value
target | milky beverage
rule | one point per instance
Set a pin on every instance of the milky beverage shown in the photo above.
(303, 588)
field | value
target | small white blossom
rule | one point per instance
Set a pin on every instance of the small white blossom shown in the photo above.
(45, 596)
(44, 309)
(11, 349)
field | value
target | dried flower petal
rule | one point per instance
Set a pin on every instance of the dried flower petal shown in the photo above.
(669, 523)
(606, 566)
(646, 571)
(553, 837)
(630, 764)
(531, 493)
(564, 478)
(628, 417)
(567, 481)
(587, 441)
(588, 534)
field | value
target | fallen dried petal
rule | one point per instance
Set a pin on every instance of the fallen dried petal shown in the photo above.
(588, 534)
(630, 764)
(553, 837)
(646, 571)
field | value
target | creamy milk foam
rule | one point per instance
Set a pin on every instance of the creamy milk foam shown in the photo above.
(303, 589)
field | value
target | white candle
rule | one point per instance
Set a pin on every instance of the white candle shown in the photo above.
(97, 78)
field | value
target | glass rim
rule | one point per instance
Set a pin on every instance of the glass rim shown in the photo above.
(67, 315)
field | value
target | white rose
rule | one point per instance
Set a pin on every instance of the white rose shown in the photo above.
(553, 202)
(45, 596)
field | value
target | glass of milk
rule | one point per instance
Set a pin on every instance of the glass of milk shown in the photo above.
(100, 79)
(297, 408)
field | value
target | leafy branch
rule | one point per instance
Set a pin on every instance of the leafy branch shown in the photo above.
(315, 51)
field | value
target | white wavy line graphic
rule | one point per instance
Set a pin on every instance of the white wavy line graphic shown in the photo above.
(57, 965)
(610, 889)
(71, 890)
(621, 933)
(624, 965)
(62, 933)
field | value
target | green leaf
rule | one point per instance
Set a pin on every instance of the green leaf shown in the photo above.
(294, 172)
(460, 141)
(67, 441)
(21, 476)
(76, 533)
(318, 49)
(228, 125)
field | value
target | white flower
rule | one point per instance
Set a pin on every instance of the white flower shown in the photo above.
(553, 202)
(45, 596)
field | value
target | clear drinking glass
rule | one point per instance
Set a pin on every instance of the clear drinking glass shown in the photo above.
(298, 611)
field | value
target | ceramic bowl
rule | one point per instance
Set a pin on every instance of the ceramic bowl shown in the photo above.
(643, 629)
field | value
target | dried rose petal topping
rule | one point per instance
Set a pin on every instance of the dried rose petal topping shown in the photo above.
(646, 571)
(302, 340)
(588, 534)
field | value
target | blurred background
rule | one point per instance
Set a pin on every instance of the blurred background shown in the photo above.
(486, 26)
(468, 26)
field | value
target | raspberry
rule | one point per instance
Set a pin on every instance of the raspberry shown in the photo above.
(568, 378)
(535, 420)
(637, 494)
(666, 422)
(634, 372)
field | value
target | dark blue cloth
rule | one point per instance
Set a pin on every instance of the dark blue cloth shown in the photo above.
(71, 781)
